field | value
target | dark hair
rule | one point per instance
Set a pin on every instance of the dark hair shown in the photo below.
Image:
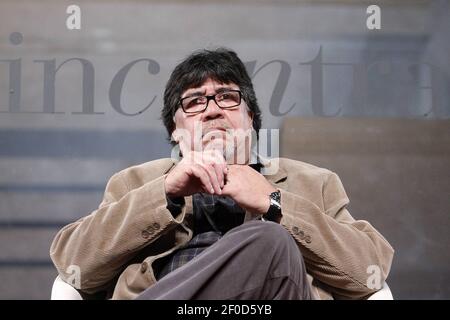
(222, 65)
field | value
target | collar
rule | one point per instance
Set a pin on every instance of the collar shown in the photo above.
(272, 170)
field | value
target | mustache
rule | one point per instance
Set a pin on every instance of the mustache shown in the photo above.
(212, 125)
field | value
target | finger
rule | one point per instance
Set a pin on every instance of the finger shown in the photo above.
(199, 172)
(213, 177)
(217, 161)
(219, 173)
(213, 156)
(219, 156)
(220, 166)
(228, 189)
(231, 186)
(226, 174)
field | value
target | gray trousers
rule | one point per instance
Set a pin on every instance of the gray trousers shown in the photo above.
(256, 260)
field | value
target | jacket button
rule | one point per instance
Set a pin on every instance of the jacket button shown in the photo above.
(144, 267)
(301, 235)
(156, 226)
(145, 234)
(308, 239)
(295, 230)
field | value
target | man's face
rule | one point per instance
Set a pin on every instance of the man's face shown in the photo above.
(212, 128)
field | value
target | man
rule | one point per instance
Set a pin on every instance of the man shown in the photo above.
(215, 224)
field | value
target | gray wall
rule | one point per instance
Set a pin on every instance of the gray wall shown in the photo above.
(54, 166)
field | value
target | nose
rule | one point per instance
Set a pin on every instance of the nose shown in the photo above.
(212, 111)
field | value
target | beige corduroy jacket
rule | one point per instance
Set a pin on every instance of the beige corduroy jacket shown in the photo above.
(117, 246)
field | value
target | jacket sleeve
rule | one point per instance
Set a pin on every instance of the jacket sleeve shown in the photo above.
(99, 244)
(338, 251)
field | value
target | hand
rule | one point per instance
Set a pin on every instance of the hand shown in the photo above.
(197, 172)
(248, 188)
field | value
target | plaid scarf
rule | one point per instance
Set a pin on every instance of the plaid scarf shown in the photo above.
(213, 217)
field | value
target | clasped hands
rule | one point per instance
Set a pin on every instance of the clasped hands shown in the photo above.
(208, 172)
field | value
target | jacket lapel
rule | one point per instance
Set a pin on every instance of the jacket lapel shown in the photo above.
(272, 171)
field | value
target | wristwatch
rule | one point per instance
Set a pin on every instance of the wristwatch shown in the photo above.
(274, 212)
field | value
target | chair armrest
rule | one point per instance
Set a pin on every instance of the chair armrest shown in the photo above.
(383, 294)
(64, 291)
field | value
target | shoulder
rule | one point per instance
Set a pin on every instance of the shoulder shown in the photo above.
(296, 168)
(320, 185)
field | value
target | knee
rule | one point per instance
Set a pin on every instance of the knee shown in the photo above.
(271, 233)
(273, 240)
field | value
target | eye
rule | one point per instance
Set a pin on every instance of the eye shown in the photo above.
(223, 96)
(230, 97)
(193, 102)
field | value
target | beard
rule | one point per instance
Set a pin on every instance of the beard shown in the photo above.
(234, 147)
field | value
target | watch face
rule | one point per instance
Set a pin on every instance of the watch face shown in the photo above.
(276, 196)
(274, 212)
(275, 203)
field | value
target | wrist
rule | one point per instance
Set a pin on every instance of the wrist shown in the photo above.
(169, 190)
(265, 200)
(264, 205)
(274, 211)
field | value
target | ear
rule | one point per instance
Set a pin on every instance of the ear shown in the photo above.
(174, 136)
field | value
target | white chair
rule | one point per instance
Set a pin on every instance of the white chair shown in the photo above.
(383, 294)
(64, 291)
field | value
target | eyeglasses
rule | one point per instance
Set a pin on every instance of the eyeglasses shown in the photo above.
(225, 100)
